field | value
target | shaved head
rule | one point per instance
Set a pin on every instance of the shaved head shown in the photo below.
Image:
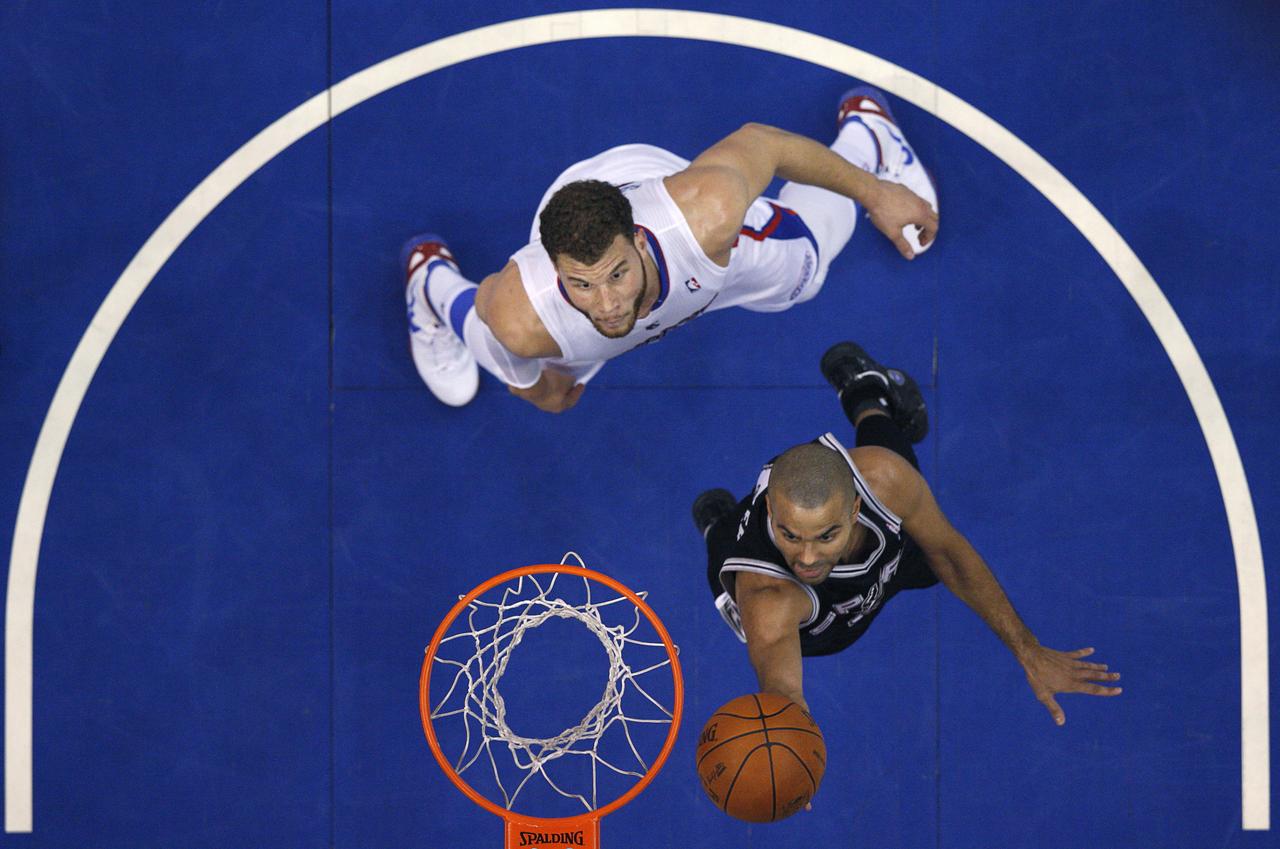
(810, 475)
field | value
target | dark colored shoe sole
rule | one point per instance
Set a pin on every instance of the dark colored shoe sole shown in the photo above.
(905, 399)
(711, 506)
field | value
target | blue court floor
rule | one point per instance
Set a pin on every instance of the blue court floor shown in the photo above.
(260, 514)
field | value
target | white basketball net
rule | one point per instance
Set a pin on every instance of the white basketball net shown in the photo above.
(494, 630)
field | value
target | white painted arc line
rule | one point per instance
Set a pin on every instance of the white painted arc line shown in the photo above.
(1242, 524)
(1241, 519)
(613, 23)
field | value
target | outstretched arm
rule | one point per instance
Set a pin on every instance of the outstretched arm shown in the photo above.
(966, 574)
(771, 611)
(716, 189)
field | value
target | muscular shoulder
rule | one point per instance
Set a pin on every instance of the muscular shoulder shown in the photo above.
(892, 480)
(713, 199)
(503, 304)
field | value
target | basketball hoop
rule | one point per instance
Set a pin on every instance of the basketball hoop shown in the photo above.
(603, 742)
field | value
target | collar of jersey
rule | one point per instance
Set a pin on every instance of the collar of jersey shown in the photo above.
(849, 570)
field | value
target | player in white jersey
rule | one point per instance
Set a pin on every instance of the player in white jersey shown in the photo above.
(636, 241)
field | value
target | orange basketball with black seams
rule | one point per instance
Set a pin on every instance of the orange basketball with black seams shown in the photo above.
(761, 757)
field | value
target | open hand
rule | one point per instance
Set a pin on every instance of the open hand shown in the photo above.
(895, 207)
(1050, 672)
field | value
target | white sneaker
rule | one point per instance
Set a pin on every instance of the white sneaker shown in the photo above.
(896, 161)
(442, 360)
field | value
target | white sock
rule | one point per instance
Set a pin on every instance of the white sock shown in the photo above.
(453, 298)
(443, 286)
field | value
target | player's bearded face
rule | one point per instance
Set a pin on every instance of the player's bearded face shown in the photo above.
(611, 291)
(814, 540)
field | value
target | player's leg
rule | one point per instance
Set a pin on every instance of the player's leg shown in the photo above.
(884, 404)
(832, 217)
(442, 360)
(446, 337)
(887, 409)
(867, 136)
(868, 108)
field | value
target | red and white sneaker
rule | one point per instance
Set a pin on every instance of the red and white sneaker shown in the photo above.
(442, 360)
(896, 161)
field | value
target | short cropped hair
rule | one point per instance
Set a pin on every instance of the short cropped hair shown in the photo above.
(810, 475)
(583, 218)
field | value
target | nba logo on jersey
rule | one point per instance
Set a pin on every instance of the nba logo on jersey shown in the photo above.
(692, 284)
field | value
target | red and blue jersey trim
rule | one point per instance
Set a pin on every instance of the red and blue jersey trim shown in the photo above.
(660, 259)
(783, 224)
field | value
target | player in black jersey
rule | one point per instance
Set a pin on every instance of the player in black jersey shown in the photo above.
(805, 562)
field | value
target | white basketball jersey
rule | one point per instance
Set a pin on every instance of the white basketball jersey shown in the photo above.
(689, 283)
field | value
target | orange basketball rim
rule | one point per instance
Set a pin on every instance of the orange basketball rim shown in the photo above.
(582, 830)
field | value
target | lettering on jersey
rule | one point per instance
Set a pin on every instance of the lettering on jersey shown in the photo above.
(844, 607)
(824, 624)
(806, 274)
(888, 570)
(654, 325)
(863, 604)
(679, 323)
(692, 284)
(561, 838)
(742, 526)
(874, 596)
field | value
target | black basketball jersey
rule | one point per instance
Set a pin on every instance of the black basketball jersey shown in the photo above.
(845, 603)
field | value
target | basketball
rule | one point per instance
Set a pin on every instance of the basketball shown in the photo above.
(761, 757)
